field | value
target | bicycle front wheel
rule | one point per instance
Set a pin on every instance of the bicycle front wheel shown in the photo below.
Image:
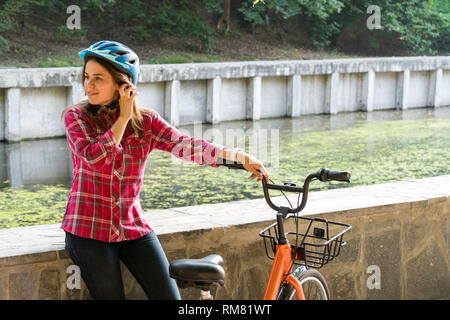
(313, 285)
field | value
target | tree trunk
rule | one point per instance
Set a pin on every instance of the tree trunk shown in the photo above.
(225, 18)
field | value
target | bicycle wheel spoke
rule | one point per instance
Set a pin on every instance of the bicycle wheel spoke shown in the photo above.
(309, 289)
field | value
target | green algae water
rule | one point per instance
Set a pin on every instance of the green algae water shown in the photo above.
(376, 147)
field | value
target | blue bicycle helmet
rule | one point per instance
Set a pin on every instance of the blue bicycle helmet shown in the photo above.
(120, 55)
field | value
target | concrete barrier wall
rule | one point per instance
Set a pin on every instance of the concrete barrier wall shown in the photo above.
(216, 92)
(401, 228)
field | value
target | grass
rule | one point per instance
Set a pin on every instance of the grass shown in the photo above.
(183, 57)
(75, 61)
(53, 61)
(70, 58)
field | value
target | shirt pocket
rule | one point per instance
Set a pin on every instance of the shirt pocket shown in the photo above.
(136, 150)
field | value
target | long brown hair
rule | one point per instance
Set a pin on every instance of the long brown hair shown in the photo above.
(93, 111)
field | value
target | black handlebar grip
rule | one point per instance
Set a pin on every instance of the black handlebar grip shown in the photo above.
(230, 164)
(339, 176)
(235, 166)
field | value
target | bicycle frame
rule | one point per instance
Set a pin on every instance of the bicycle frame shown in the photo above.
(280, 268)
(282, 262)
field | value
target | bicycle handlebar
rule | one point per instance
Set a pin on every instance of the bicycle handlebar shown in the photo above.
(323, 175)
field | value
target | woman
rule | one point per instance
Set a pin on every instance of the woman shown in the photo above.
(110, 137)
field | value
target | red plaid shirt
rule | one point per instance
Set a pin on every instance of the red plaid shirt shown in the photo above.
(104, 201)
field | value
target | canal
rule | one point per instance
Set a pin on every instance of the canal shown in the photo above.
(376, 147)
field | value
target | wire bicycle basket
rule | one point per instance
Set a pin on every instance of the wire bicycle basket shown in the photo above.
(314, 241)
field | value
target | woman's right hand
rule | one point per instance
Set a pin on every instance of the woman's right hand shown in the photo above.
(127, 94)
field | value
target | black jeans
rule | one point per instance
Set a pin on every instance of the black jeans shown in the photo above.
(99, 264)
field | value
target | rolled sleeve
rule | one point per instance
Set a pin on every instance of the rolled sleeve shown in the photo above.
(95, 150)
(109, 141)
(212, 153)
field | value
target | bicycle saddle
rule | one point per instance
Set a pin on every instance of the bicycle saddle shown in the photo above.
(200, 273)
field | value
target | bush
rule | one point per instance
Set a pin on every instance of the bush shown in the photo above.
(12, 14)
(178, 20)
(423, 25)
(420, 25)
(316, 12)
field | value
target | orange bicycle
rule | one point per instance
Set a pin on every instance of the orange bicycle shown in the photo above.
(312, 243)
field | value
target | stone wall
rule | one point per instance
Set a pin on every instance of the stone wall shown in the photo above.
(402, 228)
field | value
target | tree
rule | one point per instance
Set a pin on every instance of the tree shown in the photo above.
(225, 17)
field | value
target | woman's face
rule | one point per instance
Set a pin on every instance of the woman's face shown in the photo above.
(99, 84)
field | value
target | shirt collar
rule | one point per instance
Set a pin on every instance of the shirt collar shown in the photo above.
(112, 117)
